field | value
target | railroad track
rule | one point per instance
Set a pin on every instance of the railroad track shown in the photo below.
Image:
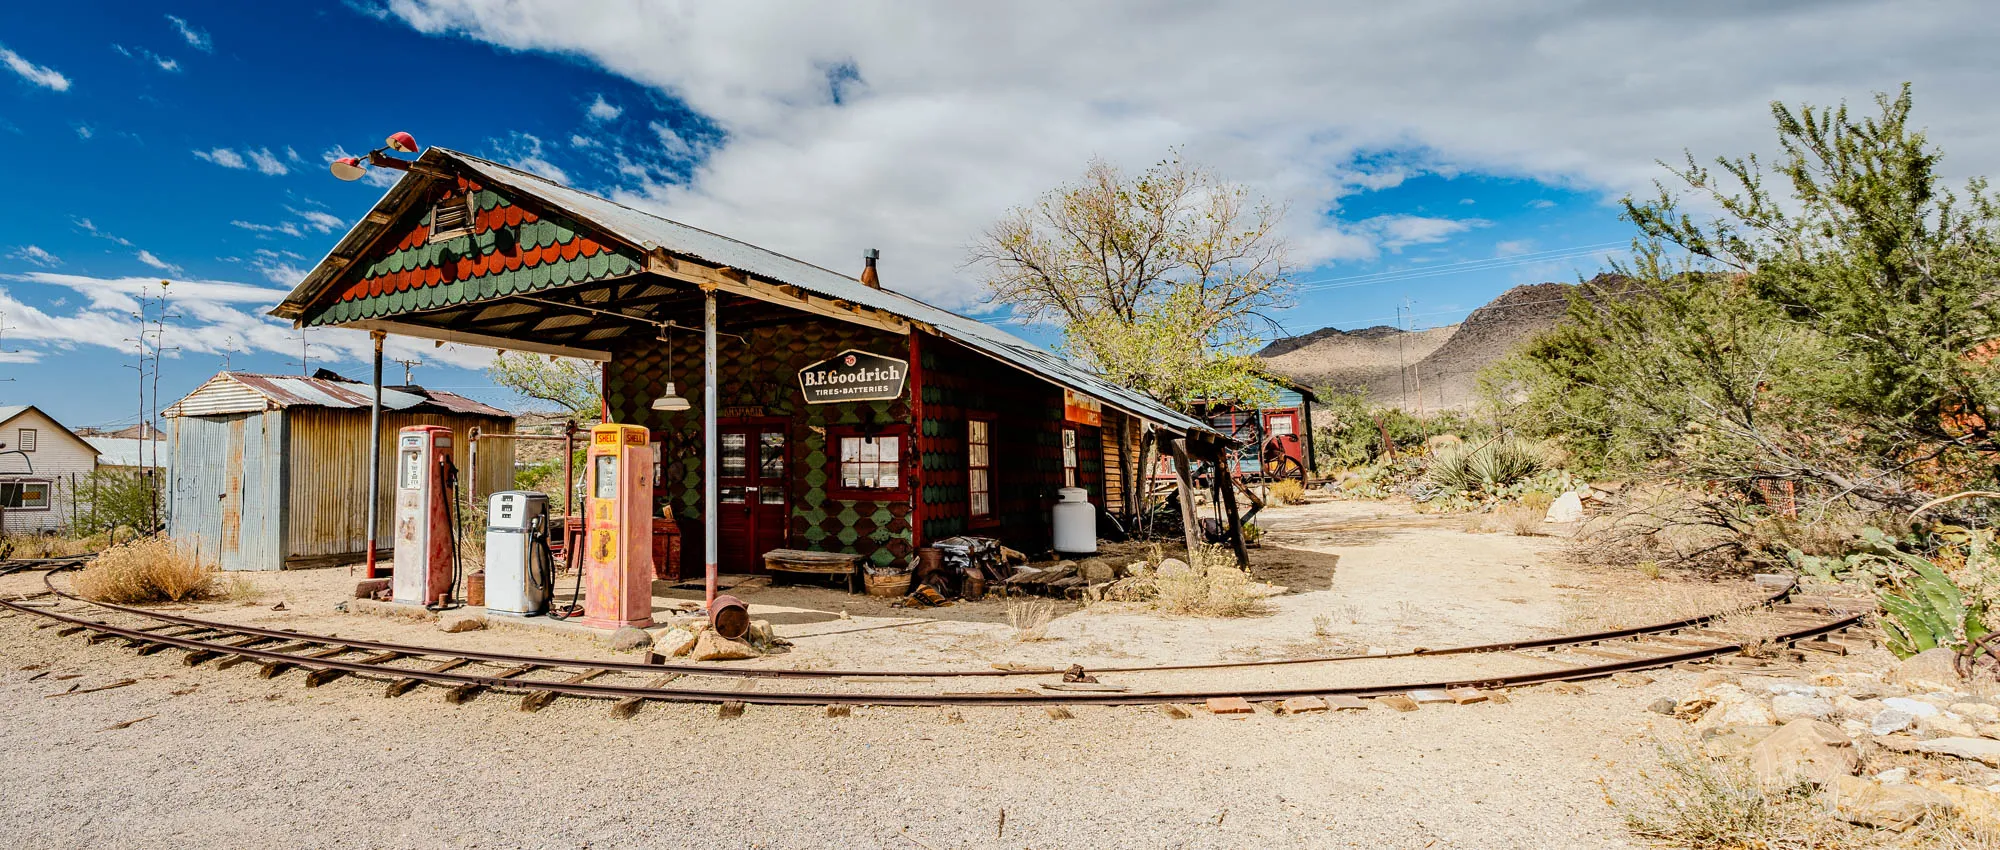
(539, 680)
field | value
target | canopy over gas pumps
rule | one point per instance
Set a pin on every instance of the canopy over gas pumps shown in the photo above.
(469, 251)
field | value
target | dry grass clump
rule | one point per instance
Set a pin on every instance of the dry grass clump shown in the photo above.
(1520, 520)
(1704, 803)
(57, 546)
(1212, 586)
(152, 569)
(1030, 618)
(1707, 802)
(1288, 492)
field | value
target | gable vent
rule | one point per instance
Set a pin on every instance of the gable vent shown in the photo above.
(451, 218)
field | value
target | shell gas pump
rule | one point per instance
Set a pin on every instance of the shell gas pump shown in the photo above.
(426, 549)
(618, 528)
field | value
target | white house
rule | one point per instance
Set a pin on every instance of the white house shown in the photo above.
(41, 465)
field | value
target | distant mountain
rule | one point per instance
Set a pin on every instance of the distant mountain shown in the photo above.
(1440, 366)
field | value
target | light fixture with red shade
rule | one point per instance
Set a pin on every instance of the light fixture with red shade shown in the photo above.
(349, 168)
(352, 168)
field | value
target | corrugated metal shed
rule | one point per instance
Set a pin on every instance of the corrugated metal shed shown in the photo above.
(652, 232)
(270, 471)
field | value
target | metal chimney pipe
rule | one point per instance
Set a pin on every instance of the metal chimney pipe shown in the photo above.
(868, 276)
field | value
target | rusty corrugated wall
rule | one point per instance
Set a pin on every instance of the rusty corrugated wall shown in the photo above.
(227, 496)
(328, 490)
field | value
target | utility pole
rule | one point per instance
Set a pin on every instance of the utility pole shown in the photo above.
(1402, 368)
(408, 366)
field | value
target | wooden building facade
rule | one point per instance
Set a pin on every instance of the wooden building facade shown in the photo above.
(975, 432)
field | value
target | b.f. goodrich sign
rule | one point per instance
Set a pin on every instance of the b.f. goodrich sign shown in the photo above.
(854, 375)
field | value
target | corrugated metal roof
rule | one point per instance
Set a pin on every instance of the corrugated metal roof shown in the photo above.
(126, 451)
(650, 232)
(224, 394)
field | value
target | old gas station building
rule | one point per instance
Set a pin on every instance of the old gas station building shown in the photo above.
(848, 417)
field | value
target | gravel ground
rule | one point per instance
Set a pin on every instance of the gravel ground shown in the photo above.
(224, 758)
(241, 761)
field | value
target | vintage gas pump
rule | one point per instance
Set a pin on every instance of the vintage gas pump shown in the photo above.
(425, 479)
(618, 528)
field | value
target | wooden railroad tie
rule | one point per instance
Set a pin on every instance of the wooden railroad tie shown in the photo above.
(406, 684)
(538, 700)
(630, 705)
(460, 693)
(234, 660)
(324, 675)
(274, 669)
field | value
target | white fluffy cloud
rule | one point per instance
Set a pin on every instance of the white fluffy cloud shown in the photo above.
(260, 158)
(147, 257)
(40, 75)
(912, 127)
(35, 254)
(196, 39)
(601, 110)
(214, 316)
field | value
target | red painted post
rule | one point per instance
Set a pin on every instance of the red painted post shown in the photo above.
(916, 441)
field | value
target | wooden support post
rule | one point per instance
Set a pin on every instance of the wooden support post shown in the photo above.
(1177, 446)
(1226, 484)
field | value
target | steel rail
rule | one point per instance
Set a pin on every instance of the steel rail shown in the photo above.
(700, 695)
(783, 673)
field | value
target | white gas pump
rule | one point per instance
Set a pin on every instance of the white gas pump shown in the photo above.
(520, 572)
(425, 550)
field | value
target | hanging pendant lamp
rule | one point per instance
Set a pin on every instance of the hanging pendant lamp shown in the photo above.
(669, 400)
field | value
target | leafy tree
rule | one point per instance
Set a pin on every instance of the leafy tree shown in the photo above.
(573, 385)
(1831, 332)
(1158, 280)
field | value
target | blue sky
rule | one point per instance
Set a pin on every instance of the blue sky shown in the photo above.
(1439, 156)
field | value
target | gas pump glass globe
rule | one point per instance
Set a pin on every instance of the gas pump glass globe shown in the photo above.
(670, 400)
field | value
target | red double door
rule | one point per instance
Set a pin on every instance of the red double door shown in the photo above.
(754, 514)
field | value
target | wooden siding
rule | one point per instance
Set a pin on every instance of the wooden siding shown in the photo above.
(328, 481)
(60, 458)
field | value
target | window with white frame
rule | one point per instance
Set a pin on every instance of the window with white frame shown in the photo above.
(24, 494)
(979, 467)
(25, 439)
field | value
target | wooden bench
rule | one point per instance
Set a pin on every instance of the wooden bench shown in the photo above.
(815, 563)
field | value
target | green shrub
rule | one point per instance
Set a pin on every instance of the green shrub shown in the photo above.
(1486, 468)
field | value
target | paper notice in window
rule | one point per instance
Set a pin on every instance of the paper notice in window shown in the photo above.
(871, 451)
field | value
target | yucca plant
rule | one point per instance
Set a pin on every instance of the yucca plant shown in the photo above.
(1489, 467)
(1928, 611)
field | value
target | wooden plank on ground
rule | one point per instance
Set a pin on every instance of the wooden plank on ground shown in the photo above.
(630, 705)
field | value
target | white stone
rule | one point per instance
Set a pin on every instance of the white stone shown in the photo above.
(1733, 707)
(1567, 507)
(1857, 709)
(1803, 750)
(1978, 711)
(1893, 776)
(1790, 707)
(460, 621)
(1983, 750)
(674, 642)
(1915, 708)
(1889, 721)
(1946, 725)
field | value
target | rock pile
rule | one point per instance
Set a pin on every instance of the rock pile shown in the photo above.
(694, 639)
(1824, 732)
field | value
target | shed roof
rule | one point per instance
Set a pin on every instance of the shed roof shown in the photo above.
(244, 392)
(125, 451)
(650, 233)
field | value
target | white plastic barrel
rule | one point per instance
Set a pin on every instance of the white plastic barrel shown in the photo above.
(1076, 522)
